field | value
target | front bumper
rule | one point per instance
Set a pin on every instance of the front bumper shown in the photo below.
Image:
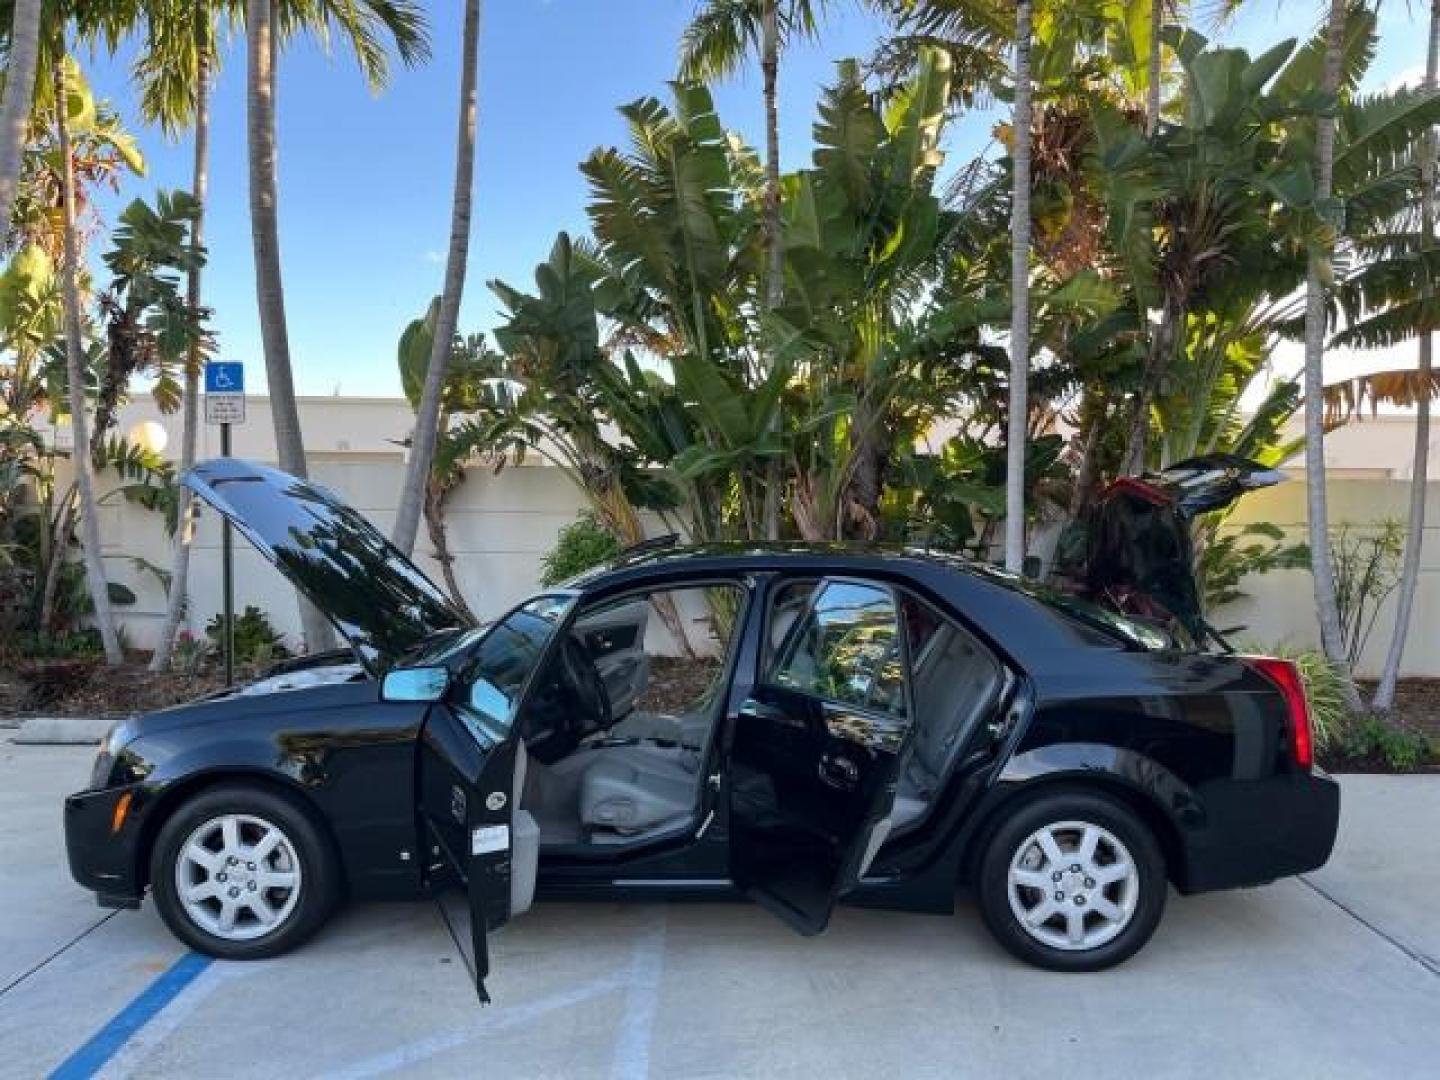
(1257, 831)
(103, 858)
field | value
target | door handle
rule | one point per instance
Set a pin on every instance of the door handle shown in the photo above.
(839, 772)
(771, 714)
(758, 710)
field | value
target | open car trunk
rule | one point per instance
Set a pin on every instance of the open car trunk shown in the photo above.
(1136, 553)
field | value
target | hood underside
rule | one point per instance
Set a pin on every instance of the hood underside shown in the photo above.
(377, 599)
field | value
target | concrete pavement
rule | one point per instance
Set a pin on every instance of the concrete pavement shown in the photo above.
(1337, 976)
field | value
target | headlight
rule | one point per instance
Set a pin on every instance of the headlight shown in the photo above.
(114, 741)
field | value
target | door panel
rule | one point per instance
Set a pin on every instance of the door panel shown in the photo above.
(468, 782)
(814, 753)
(615, 637)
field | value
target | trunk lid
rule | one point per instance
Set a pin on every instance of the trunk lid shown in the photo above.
(1139, 555)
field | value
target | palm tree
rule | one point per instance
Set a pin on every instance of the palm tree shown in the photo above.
(24, 59)
(1316, 290)
(427, 413)
(715, 44)
(194, 100)
(1415, 528)
(361, 22)
(75, 377)
(1019, 297)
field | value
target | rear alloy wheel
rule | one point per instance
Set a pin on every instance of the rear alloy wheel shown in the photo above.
(1072, 882)
(242, 873)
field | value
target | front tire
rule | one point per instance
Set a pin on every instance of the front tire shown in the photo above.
(242, 873)
(1072, 881)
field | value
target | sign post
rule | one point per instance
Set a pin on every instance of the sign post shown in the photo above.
(225, 405)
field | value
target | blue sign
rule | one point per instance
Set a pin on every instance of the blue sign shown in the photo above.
(224, 378)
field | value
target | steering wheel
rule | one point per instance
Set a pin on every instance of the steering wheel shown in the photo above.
(568, 703)
(591, 712)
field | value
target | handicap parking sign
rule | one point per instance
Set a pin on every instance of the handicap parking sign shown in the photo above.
(224, 392)
(223, 377)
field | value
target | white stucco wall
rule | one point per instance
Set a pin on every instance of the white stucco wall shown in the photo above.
(1279, 608)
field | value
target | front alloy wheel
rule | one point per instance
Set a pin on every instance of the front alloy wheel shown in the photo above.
(1072, 880)
(243, 872)
(238, 876)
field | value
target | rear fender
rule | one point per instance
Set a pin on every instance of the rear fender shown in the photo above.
(1082, 760)
(1161, 799)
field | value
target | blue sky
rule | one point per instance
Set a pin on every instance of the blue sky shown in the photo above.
(365, 182)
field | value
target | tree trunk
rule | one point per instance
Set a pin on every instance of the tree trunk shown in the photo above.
(1020, 299)
(24, 58)
(269, 288)
(1157, 364)
(185, 532)
(1322, 565)
(59, 547)
(1152, 86)
(1415, 527)
(427, 415)
(435, 496)
(774, 239)
(75, 376)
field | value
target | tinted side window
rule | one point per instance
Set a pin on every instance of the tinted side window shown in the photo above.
(846, 649)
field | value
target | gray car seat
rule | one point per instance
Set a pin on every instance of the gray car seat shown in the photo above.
(639, 789)
(524, 842)
(955, 682)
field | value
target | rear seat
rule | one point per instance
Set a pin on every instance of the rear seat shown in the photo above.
(955, 683)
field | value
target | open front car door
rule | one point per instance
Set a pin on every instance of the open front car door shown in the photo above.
(814, 752)
(472, 769)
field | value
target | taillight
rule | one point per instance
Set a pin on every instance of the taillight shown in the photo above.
(1286, 677)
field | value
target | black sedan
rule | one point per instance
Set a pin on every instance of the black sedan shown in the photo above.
(795, 724)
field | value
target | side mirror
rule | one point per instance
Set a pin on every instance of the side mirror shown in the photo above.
(415, 684)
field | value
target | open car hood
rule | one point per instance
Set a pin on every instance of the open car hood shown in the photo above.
(1139, 555)
(376, 597)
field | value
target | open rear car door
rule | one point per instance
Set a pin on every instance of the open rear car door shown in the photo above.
(813, 754)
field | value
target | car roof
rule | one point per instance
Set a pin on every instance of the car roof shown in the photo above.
(1031, 624)
(652, 557)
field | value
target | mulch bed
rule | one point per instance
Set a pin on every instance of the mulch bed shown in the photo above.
(676, 684)
(1417, 704)
(88, 688)
(1416, 709)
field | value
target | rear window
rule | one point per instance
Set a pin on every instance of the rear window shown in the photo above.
(1130, 631)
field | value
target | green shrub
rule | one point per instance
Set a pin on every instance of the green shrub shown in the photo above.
(256, 641)
(581, 545)
(1373, 737)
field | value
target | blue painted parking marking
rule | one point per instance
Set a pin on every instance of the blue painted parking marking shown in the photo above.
(108, 1041)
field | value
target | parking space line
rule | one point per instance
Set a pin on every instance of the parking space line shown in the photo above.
(642, 1002)
(13, 983)
(110, 1039)
(1418, 957)
(132, 1058)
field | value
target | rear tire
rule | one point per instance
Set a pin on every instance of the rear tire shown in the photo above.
(1072, 881)
(243, 873)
